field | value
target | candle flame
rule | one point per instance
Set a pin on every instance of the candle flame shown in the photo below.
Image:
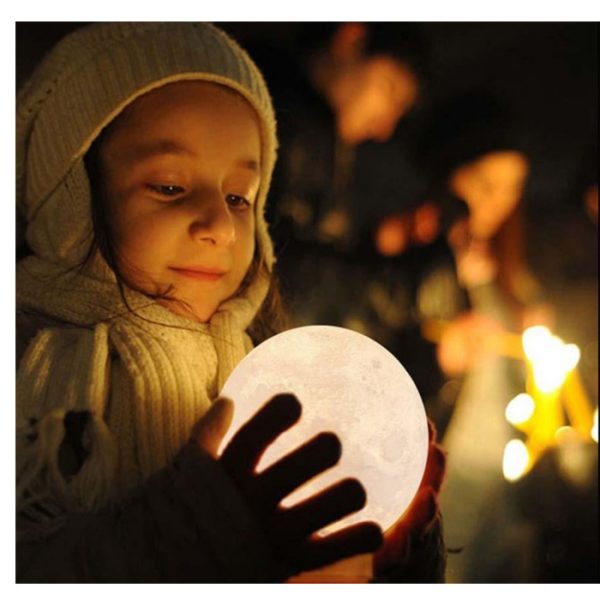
(519, 409)
(534, 340)
(551, 359)
(572, 355)
(515, 461)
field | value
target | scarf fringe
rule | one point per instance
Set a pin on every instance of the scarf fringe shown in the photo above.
(167, 370)
(94, 484)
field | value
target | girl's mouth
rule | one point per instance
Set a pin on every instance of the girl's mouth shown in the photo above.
(200, 273)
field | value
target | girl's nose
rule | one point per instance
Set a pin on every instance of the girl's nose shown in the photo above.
(213, 222)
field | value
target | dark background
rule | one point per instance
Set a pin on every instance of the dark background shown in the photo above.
(546, 72)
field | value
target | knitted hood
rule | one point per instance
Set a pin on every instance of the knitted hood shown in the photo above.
(82, 85)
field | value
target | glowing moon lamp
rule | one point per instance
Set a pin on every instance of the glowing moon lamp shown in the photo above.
(351, 385)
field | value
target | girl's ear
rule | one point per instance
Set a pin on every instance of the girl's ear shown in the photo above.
(348, 42)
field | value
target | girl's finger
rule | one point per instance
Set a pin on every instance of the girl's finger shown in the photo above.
(355, 539)
(243, 452)
(328, 506)
(431, 431)
(422, 513)
(289, 473)
(435, 468)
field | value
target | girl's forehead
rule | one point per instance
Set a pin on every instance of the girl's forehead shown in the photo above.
(184, 109)
(203, 96)
(189, 123)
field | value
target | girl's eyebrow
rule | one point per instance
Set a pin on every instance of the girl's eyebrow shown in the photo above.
(143, 152)
(250, 164)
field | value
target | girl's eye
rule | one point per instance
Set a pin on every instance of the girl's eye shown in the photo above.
(237, 202)
(169, 191)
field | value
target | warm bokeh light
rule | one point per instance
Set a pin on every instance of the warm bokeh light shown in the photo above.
(594, 431)
(426, 223)
(565, 434)
(351, 385)
(550, 358)
(549, 372)
(515, 461)
(572, 355)
(534, 341)
(392, 235)
(519, 409)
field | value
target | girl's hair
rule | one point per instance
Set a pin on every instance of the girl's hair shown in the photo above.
(271, 317)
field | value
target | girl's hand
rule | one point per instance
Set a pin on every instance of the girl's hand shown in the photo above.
(291, 531)
(413, 550)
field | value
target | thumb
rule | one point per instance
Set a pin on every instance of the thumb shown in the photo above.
(210, 430)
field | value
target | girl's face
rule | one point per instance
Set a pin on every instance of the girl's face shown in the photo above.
(491, 186)
(181, 173)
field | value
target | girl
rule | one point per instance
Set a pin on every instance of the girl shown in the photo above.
(144, 155)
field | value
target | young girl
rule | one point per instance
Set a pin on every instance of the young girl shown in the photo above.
(144, 155)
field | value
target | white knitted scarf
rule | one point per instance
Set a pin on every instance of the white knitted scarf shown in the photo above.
(145, 376)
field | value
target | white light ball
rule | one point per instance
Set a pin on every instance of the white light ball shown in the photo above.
(351, 385)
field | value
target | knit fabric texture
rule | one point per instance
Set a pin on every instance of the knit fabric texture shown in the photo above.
(144, 376)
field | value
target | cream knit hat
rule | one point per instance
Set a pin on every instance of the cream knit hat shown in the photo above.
(82, 85)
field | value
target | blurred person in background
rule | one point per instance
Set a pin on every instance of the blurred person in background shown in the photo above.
(451, 279)
(345, 85)
(452, 271)
(478, 169)
(478, 158)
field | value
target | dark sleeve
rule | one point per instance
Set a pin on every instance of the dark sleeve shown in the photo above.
(187, 524)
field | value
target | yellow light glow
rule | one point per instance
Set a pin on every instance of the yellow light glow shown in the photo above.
(534, 341)
(594, 431)
(549, 374)
(515, 461)
(550, 357)
(519, 409)
(571, 355)
(565, 434)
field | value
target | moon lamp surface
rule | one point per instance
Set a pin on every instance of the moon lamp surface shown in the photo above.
(351, 385)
